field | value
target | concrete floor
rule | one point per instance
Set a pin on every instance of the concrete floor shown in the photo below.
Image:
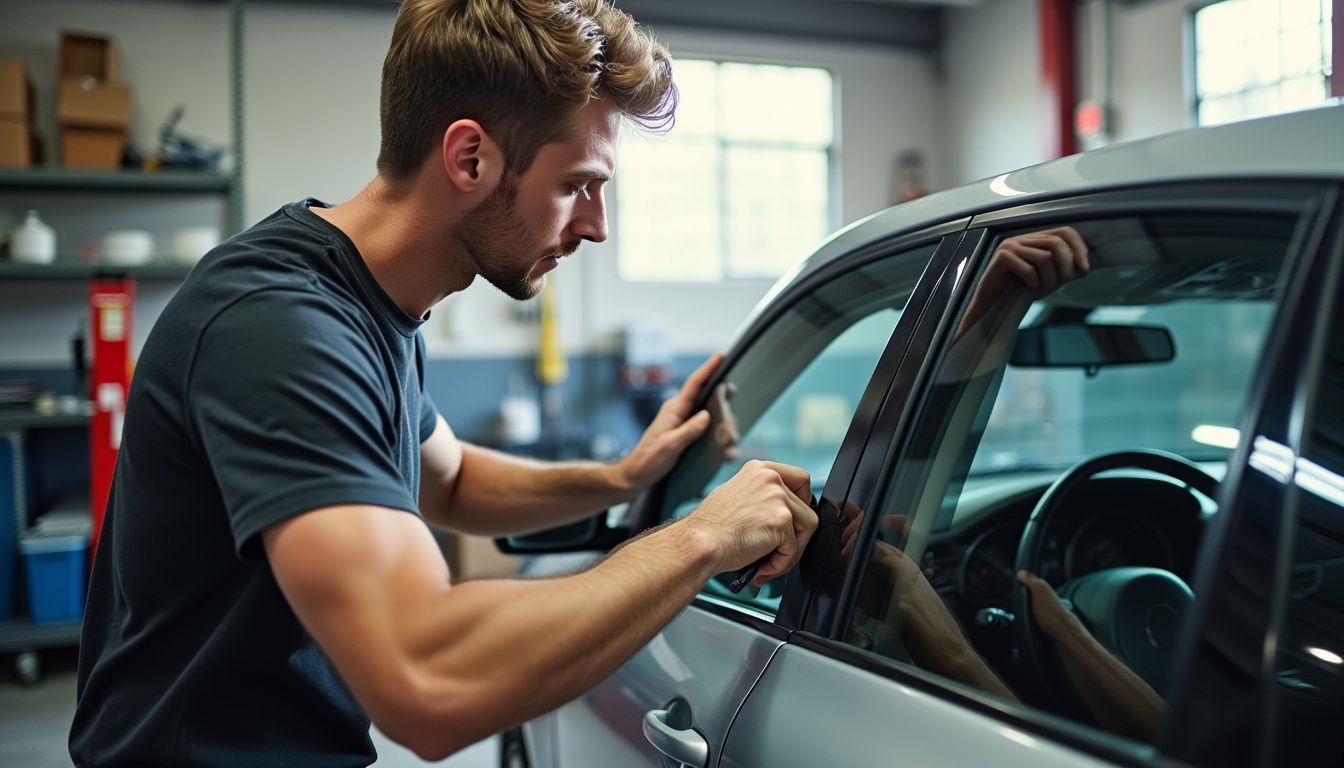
(35, 721)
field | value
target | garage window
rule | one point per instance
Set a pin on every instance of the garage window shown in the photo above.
(740, 188)
(1260, 57)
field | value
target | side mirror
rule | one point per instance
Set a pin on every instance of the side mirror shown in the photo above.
(592, 534)
(1092, 347)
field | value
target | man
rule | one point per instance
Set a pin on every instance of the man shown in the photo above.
(266, 583)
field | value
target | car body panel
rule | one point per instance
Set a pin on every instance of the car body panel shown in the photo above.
(880, 723)
(707, 660)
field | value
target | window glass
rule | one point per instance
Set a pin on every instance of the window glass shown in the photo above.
(791, 395)
(1137, 363)
(740, 188)
(1259, 57)
(1309, 664)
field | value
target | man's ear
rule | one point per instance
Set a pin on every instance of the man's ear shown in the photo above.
(471, 159)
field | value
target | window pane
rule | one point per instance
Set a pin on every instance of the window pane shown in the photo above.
(777, 208)
(795, 390)
(697, 102)
(775, 104)
(1250, 47)
(1302, 51)
(1016, 400)
(667, 218)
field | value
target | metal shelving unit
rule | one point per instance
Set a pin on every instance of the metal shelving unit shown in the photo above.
(20, 636)
(116, 181)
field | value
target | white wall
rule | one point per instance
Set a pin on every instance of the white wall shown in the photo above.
(1150, 66)
(993, 105)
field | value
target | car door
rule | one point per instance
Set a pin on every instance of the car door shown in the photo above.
(798, 387)
(942, 478)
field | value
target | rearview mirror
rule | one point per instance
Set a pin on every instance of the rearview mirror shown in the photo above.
(1092, 347)
(592, 534)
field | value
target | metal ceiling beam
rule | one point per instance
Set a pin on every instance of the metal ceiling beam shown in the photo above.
(840, 20)
(903, 23)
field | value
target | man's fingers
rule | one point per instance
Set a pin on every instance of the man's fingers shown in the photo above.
(1077, 245)
(690, 389)
(689, 431)
(1043, 262)
(1019, 266)
(796, 479)
(787, 553)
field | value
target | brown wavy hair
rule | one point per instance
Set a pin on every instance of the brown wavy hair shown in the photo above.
(521, 68)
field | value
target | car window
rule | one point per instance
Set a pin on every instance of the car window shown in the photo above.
(790, 396)
(1118, 390)
(1308, 684)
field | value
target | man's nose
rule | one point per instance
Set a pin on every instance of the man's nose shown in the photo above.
(590, 218)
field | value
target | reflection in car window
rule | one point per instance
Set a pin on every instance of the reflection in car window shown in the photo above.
(1122, 348)
(1308, 689)
(790, 396)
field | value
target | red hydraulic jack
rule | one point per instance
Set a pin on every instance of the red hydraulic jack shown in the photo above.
(111, 300)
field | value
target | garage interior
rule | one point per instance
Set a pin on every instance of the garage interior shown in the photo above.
(250, 104)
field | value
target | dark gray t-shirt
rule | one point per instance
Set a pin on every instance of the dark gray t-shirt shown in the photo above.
(280, 378)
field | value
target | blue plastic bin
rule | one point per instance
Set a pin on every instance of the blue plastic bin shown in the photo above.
(55, 566)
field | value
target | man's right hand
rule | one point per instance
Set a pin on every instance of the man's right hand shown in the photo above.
(763, 509)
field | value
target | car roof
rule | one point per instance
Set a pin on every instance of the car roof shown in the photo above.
(1298, 145)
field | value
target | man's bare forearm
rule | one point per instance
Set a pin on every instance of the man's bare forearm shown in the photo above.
(1118, 698)
(593, 621)
(496, 494)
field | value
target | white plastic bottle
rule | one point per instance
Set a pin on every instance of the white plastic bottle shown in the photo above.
(32, 242)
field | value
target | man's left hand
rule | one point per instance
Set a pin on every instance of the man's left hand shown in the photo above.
(674, 428)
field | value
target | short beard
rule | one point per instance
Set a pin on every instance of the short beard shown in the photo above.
(494, 235)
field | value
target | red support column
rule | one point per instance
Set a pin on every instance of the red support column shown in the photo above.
(1057, 74)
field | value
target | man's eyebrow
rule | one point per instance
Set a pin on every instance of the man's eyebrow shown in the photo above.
(590, 172)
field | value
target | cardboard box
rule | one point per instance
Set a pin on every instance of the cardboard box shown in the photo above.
(87, 55)
(16, 144)
(16, 92)
(92, 148)
(86, 103)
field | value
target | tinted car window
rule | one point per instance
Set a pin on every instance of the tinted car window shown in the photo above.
(1308, 688)
(790, 395)
(1138, 367)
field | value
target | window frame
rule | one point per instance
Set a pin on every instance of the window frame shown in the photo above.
(822, 628)
(1192, 67)
(647, 510)
(721, 143)
(1328, 267)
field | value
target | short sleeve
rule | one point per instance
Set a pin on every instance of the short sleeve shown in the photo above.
(294, 410)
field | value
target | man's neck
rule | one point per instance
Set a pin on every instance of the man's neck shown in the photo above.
(407, 244)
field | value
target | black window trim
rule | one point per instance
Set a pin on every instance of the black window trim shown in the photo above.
(1327, 255)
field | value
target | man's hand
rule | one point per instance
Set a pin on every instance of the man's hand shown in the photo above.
(674, 428)
(1040, 261)
(763, 509)
(1050, 614)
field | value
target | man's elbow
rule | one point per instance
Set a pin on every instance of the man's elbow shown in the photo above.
(434, 719)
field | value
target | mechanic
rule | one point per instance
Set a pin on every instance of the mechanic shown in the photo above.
(266, 582)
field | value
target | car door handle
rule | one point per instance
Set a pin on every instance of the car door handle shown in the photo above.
(682, 745)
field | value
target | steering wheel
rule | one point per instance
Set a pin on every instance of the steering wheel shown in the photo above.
(1134, 612)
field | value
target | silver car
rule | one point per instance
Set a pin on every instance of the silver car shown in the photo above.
(1157, 435)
